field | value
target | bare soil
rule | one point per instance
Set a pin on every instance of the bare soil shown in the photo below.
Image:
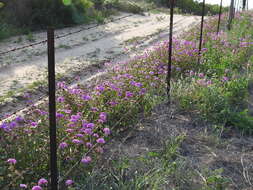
(203, 148)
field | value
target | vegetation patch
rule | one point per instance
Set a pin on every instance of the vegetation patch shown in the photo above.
(214, 88)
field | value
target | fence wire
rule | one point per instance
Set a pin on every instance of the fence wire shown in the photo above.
(64, 35)
(45, 41)
(138, 101)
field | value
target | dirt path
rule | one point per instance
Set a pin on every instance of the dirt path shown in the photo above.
(107, 42)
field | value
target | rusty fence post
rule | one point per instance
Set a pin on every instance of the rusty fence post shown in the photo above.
(220, 12)
(231, 15)
(172, 3)
(52, 110)
(201, 29)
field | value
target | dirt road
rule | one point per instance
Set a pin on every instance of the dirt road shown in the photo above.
(107, 42)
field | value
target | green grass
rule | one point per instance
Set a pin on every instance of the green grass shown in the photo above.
(12, 93)
(222, 102)
(156, 170)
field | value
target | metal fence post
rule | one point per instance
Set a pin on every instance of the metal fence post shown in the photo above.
(218, 28)
(243, 4)
(201, 29)
(231, 14)
(52, 109)
(172, 2)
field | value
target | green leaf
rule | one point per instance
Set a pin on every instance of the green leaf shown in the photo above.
(67, 2)
(153, 154)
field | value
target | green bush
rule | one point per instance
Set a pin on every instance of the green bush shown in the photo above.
(129, 7)
(37, 14)
(191, 6)
(19, 15)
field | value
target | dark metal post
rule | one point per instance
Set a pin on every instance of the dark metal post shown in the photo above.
(231, 14)
(201, 29)
(172, 2)
(218, 29)
(52, 109)
(243, 4)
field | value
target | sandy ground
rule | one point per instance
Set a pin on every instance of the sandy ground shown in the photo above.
(78, 51)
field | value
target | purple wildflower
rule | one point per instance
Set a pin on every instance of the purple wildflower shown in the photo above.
(69, 130)
(12, 161)
(76, 141)
(107, 131)
(67, 111)
(143, 91)
(23, 186)
(86, 160)
(113, 103)
(79, 135)
(34, 124)
(89, 145)
(129, 94)
(60, 99)
(94, 109)
(137, 84)
(19, 119)
(209, 82)
(4, 126)
(12, 124)
(90, 125)
(100, 88)
(59, 115)
(84, 123)
(88, 131)
(37, 187)
(225, 79)
(42, 181)
(75, 118)
(63, 145)
(69, 182)
(86, 97)
(102, 116)
(101, 140)
(61, 85)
